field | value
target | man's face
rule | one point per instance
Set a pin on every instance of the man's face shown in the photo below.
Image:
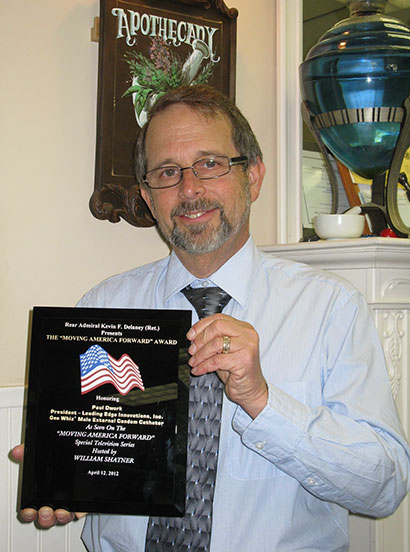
(197, 216)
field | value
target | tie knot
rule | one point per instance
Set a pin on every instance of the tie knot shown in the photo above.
(206, 301)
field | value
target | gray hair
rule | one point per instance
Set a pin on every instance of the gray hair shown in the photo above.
(209, 102)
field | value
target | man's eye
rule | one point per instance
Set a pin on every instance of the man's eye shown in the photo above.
(209, 163)
(169, 172)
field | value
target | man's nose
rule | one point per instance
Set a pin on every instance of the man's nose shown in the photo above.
(190, 185)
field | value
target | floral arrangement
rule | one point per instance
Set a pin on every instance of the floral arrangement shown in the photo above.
(162, 71)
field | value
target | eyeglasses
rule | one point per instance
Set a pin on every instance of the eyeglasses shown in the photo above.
(207, 168)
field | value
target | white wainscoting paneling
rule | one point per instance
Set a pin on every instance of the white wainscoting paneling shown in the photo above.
(16, 536)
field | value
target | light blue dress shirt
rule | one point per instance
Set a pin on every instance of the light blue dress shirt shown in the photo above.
(329, 439)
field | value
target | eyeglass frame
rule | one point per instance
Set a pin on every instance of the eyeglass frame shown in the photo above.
(233, 161)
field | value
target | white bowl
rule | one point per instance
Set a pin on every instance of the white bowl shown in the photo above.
(338, 227)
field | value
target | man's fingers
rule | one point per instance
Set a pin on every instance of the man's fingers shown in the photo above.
(209, 350)
(200, 326)
(63, 516)
(17, 453)
(28, 514)
(215, 327)
(46, 517)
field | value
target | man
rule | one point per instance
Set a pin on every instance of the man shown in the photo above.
(309, 429)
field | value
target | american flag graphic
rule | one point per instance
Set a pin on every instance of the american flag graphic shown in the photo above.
(99, 368)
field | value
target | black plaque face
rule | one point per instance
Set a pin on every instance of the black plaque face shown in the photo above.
(107, 410)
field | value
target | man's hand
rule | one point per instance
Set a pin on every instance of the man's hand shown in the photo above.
(45, 516)
(240, 369)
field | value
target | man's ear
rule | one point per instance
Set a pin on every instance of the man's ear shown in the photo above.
(256, 172)
(146, 196)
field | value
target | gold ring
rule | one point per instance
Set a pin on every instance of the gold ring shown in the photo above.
(226, 345)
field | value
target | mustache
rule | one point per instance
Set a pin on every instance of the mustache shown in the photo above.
(198, 205)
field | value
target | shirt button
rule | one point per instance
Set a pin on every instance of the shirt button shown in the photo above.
(260, 445)
(205, 283)
(311, 481)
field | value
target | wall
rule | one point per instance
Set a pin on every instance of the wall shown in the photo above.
(52, 248)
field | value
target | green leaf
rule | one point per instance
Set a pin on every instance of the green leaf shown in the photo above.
(141, 98)
(131, 90)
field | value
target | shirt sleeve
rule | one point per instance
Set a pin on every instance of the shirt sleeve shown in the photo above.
(351, 449)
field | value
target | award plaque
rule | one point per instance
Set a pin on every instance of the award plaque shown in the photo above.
(107, 411)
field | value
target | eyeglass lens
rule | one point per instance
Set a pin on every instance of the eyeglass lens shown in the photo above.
(206, 168)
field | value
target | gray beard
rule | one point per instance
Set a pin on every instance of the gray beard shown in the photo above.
(189, 239)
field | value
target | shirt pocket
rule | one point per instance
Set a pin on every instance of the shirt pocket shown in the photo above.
(246, 464)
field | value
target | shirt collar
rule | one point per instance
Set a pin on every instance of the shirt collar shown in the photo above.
(235, 276)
